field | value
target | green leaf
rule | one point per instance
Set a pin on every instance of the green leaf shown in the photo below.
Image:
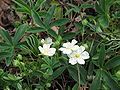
(22, 4)
(60, 22)
(96, 82)
(68, 35)
(4, 54)
(39, 4)
(36, 30)
(75, 87)
(37, 20)
(112, 63)
(6, 37)
(4, 45)
(52, 33)
(49, 15)
(104, 21)
(101, 58)
(73, 72)
(110, 81)
(58, 72)
(19, 33)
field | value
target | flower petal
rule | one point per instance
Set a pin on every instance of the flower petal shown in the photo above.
(40, 48)
(85, 55)
(67, 51)
(51, 51)
(66, 44)
(72, 61)
(75, 47)
(46, 46)
(81, 49)
(81, 61)
(74, 42)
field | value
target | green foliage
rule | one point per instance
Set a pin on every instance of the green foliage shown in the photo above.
(94, 24)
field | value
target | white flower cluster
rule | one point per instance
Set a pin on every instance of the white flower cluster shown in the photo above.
(46, 50)
(76, 54)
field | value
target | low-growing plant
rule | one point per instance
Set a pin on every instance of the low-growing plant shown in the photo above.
(62, 45)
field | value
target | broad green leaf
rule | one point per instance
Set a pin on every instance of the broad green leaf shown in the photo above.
(36, 30)
(5, 35)
(96, 82)
(101, 58)
(37, 20)
(60, 22)
(112, 63)
(19, 33)
(58, 72)
(110, 81)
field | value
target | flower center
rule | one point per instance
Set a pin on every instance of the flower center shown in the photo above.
(77, 55)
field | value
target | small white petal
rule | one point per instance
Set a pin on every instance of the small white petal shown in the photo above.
(46, 46)
(81, 49)
(74, 42)
(85, 55)
(66, 44)
(62, 49)
(40, 48)
(80, 61)
(67, 51)
(76, 47)
(48, 40)
(72, 61)
(51, 51)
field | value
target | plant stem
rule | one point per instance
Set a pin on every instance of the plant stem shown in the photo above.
(78, 76)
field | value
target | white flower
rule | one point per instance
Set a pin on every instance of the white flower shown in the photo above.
(69, 47)
(47, 41)
(46, 50)
(78, 56)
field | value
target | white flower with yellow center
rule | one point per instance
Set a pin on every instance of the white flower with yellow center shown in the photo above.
(47, 41)
(69, 47)
(78, 56)
(46, 50)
